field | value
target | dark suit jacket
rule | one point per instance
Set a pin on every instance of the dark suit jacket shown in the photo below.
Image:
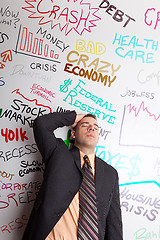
(62, 180)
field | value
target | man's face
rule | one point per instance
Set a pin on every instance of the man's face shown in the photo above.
(86, 133)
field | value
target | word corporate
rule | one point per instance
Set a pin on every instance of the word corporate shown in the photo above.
(78, 90)
(135, 43)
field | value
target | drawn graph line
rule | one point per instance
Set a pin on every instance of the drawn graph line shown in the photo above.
(121, 132)
(30, 55)
(31, 100)
(142, 108)
(138, 183)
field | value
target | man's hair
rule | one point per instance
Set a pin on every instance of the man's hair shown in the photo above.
(87, 115)
(90, 115)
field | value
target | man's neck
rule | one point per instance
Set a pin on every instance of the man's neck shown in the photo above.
(85, 150)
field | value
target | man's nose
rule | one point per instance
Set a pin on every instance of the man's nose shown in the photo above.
(91, 128)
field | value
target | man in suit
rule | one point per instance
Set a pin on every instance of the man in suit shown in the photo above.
(56, 210)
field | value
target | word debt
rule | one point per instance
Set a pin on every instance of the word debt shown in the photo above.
(90, 47)
(35, 46)
(117, 14)
(95, 73)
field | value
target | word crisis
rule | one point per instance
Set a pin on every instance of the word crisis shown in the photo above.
(95, 73)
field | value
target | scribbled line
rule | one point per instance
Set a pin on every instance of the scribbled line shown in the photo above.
(142, 108)
(132, 145)
(141, 182)
(33, 100)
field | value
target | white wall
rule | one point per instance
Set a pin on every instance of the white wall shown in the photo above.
(51, 45)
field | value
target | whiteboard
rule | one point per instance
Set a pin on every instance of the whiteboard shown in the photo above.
(99, 57)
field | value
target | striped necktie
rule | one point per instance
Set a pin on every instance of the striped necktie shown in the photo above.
(88, 223)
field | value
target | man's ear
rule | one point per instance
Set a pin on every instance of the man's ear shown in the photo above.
(72, 134)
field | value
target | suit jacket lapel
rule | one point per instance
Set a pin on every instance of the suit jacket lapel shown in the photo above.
(76, 156)
(99, 177)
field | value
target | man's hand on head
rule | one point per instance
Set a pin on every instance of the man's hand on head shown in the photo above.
(78, 118)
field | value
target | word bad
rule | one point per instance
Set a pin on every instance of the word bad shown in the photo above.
(152, 17)
(118, 16)
(95, 74)
(97, 49)
(10, 135)
(134, 42)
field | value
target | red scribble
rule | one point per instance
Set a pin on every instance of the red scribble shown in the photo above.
(79, 19)
(7, 55)
(144, 109)
(33, 100)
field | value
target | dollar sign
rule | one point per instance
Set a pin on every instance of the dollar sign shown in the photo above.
(135, 170)
(64, 88)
